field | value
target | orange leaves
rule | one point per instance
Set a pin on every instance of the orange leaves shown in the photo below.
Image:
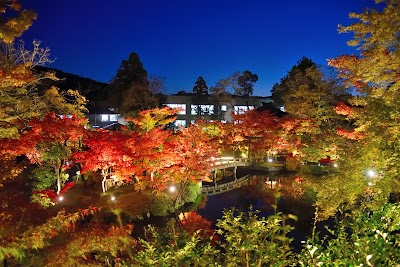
(353, 135)
(52, 129)
(10, 169)
(343, 109)
(104, 150)
(157, 117)
(14, 26)
(37, 237)
(192, 222)
(17, 76)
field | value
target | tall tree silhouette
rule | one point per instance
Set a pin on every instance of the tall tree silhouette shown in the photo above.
(130, 89)
(200, 87)
(246, 82)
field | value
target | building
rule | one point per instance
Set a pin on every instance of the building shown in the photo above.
(192, 107)
(101, 117)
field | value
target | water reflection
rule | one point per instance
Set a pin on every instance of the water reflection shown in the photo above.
(259, 193)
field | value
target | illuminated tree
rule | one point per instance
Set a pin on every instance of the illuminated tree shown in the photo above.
(13, 26)
(48, 142)
(258, 131)
(281, 89)
(20, 101)
(149, 119)
(105, 151)
(375, 74)
(193, 154)
(19, 82)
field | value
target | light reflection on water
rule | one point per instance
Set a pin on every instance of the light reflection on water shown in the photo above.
(259, 194)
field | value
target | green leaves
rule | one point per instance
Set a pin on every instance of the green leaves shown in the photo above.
(364, 239)
(249, 239)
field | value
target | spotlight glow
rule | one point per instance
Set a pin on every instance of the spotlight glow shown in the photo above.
(270, 160)
(112, 198)
(371, 173)
(335, 165)
(60, 198)
(172, 189)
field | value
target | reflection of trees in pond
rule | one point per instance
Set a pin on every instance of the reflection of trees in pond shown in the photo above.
(294, 200)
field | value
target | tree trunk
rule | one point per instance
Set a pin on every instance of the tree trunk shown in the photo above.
(58, 181)
(103, 182)
(58, 170)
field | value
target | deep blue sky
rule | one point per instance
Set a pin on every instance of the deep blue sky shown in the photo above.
(180, 40)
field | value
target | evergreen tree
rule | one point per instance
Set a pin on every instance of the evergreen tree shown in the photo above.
(200, 87)
(130, 89)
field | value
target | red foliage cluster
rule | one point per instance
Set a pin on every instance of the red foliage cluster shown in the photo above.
(193, 222)
(51, 129)
(353, 135)
(298, 179)
(53, 195)
(343, 109)
(157, 157)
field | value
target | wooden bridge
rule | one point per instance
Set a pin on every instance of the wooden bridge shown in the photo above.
(224, 163)
(224, 187)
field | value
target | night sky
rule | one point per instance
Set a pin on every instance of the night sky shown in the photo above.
(181, 40)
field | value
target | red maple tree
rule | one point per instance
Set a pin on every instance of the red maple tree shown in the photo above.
(105, 151)
(48, 141)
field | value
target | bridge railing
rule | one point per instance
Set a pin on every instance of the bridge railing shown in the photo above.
(220, 188)
(233, 161)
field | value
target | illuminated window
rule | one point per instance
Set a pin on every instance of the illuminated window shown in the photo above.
(182, 107)
(202, 109)
(65, 116)
(223, 108)
(242, 109)
(180, 123)
(104, 117)
(114, 117)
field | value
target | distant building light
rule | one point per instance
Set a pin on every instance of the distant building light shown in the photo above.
(202, 109)
(180, 123)
(113, 117)
(104, 117)
(181, 107)
(238, 110)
